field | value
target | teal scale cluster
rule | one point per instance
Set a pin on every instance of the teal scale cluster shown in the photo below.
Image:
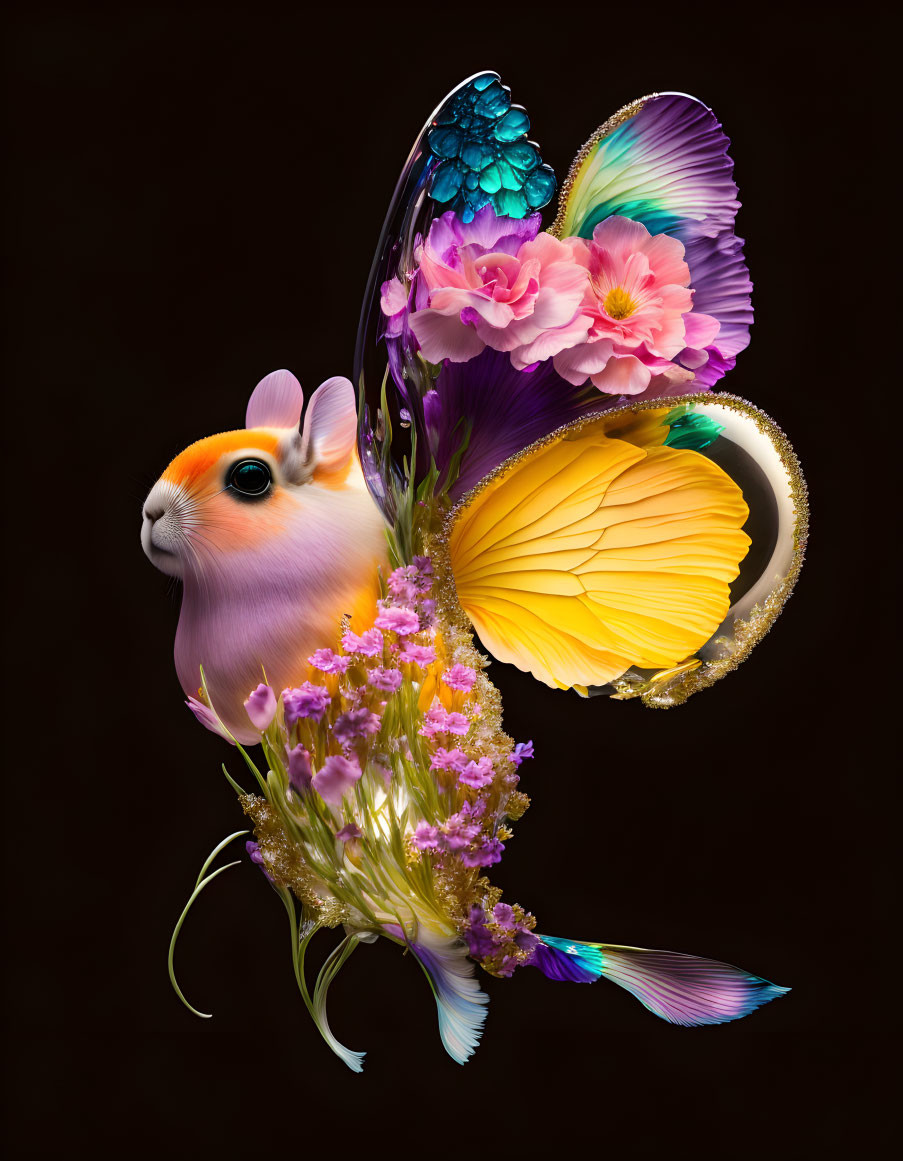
(480, 142)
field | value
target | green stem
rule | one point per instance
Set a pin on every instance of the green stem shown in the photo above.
(199, 886)
(238, 790)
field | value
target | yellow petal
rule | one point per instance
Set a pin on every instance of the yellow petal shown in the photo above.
(594, 554)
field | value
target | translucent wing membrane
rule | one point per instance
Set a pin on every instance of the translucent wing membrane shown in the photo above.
(472, 153)
(643, 551)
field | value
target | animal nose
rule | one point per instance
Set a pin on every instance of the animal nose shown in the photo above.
(153, 510)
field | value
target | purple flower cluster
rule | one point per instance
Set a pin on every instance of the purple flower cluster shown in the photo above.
(333, 734)
(461, 836)
(356, 723)
(307, 701)
(407, 585)
(386, 680)
(460, 677)
(370, 643)
(501, 940)
(422, 655)
(438, 720)
(328, 662)
(341, 719)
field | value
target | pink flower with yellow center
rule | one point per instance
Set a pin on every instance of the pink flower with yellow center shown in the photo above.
(639, 311)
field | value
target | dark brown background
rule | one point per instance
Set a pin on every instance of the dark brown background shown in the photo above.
(193, 201)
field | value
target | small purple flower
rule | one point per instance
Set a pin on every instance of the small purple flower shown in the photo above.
(256, 857)
(425, 836)
(350, 831)
(434, 721)
(421, 655)
(328, 662)
(388, 680)
(299, 775)
(335, 778)
(477, 809)
(521, 750)
(485, 855)
(261, 707)
(208, 719)
(393, 302)
(428, 612)
(458, 833)
(400, 621)
(370, 642)
(460, 677)
(504, 916)
(355, 724)
(456, 724)
(402, 584)
(449, 760)
(307, 701)
(477, 774)
(479, 938)
(527, 941)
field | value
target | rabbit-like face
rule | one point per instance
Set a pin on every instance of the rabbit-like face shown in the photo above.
(222, 494)
(275, 537)
(241, 491)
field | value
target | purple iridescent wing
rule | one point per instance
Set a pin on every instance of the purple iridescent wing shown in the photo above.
(663, 161)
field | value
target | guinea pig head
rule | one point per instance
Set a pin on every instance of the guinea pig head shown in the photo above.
(275, 538)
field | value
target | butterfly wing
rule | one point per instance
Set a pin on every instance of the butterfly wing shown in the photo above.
(642, 552)
(472, 152)
(663, 161)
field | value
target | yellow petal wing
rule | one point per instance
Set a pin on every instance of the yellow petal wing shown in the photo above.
(592, 554)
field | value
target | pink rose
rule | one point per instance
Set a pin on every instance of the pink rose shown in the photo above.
(493, 282)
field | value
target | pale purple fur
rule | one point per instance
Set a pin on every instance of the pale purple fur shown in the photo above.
(267, 608)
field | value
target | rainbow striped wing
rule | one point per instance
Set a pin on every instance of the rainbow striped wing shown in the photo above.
(663, 160)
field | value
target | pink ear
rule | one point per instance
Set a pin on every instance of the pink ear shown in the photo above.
(330, 426)
(276, 401)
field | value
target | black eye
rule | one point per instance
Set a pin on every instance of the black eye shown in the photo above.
(250, 478)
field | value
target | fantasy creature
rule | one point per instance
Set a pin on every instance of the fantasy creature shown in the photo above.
(537, 457)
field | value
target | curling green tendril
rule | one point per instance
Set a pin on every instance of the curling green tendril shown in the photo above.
(199, 886)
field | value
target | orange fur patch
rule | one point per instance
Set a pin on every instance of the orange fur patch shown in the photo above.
(198, 459)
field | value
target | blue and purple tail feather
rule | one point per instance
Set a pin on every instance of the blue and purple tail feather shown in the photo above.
(682, 989)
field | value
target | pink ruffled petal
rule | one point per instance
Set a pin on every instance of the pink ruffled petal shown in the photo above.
(623, 375)
(700, 330)
(551, 342)
(666, 257)
(261, 707)
(585, 359)
(445, 337)
(621, 237)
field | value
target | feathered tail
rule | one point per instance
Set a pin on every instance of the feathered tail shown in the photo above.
(682, 989)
